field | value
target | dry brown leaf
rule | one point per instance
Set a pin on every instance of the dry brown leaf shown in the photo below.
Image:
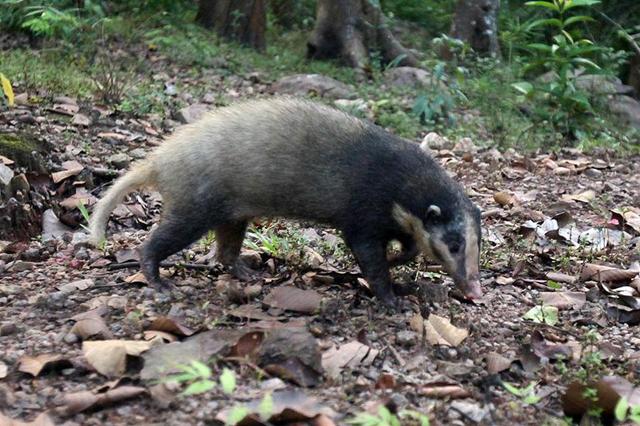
(91, 326)
(171, 325)
(504, 280)
(440, 331)
(137, 278)
(444, 390)
(629, 216)
(497, 363)
(583, 197)
(288, 406)
(4, 370)
(294, 299)
(603, 273)
(42, 420)
(71, 168)
(564, 299)
(35, 365)
(386, 381)
(76, 285)
(503, 198)
(154, 334)
(77, 402)
(609, 390)
(561, 278)
(109, 357)
(348, 355)
(6, 161)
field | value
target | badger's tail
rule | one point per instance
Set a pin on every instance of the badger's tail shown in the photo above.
(141, 175)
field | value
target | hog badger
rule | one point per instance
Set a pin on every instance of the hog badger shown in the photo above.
(298, 159)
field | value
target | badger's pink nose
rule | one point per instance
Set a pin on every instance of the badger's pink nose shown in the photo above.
(472, 290)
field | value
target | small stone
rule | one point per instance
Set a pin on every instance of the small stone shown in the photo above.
(19, 183)
(594, 173)
(465, 145)
(79, 239)
(358, 105)
(21, 266)
(137, 154)
(81, 120)
(7, 328)
(209, 98)
(470, 410)
(170, 89)
(304, 84)
(64, 100)
(407, 77)
(192, 113)
(406, 338)
(6, 174)
(119, 160)
(435, 142)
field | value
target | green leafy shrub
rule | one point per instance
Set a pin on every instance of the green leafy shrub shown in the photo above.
(564, 57)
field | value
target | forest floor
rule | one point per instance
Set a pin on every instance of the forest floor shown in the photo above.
(83, 340)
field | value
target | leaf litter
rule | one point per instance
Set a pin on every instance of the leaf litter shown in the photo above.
(579, 244)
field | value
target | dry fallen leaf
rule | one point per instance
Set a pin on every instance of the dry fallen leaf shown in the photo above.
(348, 355)
(442, 389)
(583, 197)
(503, 198)
(91, 326)
(561, 278)
(438, 330)
(287, 406)
(109, 357)
(293, 299)
(71, 168)
(77, 402)
(3, 370)
(603, 273)
(35, 365)
(497, 363)
(609, 390)
(564, 299)
(171, 325)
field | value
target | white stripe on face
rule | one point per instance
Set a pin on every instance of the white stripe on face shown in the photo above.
(472, 254)
(413, 226)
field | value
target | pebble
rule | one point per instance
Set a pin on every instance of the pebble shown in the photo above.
(406, 338)
(119, 160)
(7, 328)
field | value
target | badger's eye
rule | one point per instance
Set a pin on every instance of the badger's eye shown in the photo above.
(454, 246)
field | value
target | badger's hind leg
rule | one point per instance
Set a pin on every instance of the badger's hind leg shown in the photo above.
(175, 232)
(229, 238)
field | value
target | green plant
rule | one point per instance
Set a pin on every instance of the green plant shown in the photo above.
(626, 412)
(437, 102)
(526, 394)
(285, 244)
(565, 55)
(384, 417)
(198, 376)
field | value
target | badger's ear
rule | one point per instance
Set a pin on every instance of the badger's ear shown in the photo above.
(433, 211)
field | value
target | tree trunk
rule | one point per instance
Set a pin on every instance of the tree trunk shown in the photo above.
(284, 12)
(634, 74)
(349, 29)
(243, 21)
(476, 22)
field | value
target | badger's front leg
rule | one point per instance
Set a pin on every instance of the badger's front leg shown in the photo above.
(370, 252)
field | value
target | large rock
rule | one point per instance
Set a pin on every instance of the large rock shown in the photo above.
(602, 84)
(407, 77)
(304, 84)
(627, 108)
(192, 113)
